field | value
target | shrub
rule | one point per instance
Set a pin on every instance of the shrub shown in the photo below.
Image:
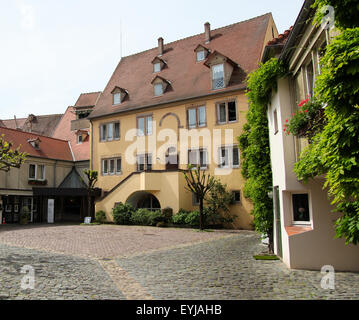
(100, 216)
(192, 218)
(122, 213)
(180, 217)
(167, 214)
(145, 217)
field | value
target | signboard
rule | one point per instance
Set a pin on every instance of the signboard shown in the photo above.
(87, 220)
(50, 210)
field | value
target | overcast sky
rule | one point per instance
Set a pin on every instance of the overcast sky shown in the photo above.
(51, 50)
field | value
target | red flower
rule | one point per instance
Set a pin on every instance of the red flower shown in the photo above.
(305, 111)
(286, 120)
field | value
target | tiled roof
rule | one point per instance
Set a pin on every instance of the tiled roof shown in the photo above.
(242, 43)
(87, 99)
(43, 125)
(49, 147)
(281, 39)
(63, 131)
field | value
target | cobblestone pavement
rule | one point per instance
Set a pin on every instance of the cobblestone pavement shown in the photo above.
(225, 270)
(57, 277)
(113, 262)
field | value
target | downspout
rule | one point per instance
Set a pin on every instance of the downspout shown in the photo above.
(55, 166)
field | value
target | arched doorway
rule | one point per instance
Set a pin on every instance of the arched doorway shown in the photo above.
(143, 199)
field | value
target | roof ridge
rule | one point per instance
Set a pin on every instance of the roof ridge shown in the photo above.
(34, 134)
(195, 35)
(90, 92)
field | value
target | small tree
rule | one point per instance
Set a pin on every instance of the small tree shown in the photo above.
(199, 183)
(219, 200)
(10, 158)
(92, 177)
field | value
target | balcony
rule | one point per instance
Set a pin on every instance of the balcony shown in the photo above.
(80, 124)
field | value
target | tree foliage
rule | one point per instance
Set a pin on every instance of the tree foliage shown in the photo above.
(254, 145)
(346, 12)
(335, 150)
(10, 158)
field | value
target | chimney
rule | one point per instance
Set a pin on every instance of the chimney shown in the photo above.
(207, 32)
(160, 46)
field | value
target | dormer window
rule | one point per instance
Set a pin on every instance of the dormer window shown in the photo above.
(158, 64)
(157, 67)
(158, 89)
(218, 76)
(118, 95)
(201, 53)
(221, 69)
(35, 143)
(117, 98)
(159, 85)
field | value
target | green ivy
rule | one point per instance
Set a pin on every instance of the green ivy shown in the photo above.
(254, 144)
(335, 150)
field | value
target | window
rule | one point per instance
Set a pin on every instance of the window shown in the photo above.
(275, 120)
(229, 157)
(309, 71)
(110, 131)
(144, 162)
(195, 199)
(201, 55)
(79, 139)
(198, 157)
(144, 125)
(197, 117)
(236, 196)
(117, 98)
(32, 171)
(218, 76)
(301, 208)
(111, 166)
(226, 112)
(36, 172)
(157, 67)
(158, 87)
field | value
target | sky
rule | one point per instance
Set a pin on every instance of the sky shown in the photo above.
(52, 51)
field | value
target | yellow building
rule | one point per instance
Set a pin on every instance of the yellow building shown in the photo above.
(182, 102)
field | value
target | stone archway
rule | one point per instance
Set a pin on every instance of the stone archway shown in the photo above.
(143, 199)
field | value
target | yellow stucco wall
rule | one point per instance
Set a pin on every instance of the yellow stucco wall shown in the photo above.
(168, 187)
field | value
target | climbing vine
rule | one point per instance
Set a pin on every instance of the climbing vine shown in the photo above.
(334, 151)
(254, 145)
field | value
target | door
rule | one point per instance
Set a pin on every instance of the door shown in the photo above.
(277, 220)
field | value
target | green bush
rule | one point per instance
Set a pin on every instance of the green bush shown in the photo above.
(167, 214)
(122, 213)
(180, 217)
(101, 216)
(192, 218)
(145, 217)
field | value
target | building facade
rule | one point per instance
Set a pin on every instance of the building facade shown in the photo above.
(304, 230)
(180, 103)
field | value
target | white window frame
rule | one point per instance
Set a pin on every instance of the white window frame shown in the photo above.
(117, 98)
(213, 78)
(155, 92)
(196, 113)
(108, 164)
(301, 223)
(37, 170)
(200, 55)
(275, 121)
(219, 122)
(147, 129)
(79, 139)
(32, 178)
(230, 157)
(197, 152)
(156, 67)
(106, 127)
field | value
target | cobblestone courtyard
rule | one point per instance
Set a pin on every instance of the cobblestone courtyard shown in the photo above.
(116, 262)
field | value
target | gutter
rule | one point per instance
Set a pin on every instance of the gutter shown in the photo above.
(166, 102)
(298, 27)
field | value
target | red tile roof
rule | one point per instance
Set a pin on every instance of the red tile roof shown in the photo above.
(281, 39)
(50, 148)
(242, 43)
(87, 99)
(63, 131)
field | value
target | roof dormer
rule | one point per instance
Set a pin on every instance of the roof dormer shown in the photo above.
(201, 53)
(158, 64)
(160, 85)
(221, 69)
(35, 143)
(119, 95)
